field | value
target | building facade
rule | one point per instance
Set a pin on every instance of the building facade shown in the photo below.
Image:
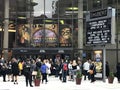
(53, 28)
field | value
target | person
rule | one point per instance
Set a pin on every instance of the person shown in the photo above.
(60, 70)
(86, 67)
(118, 71)
(33, 68)
(93, 68)
(70, 70)
(20, 65)
(27, 71)
(56, 68)
(9, 70)
(38, 63)
(15, 70)
(4, 71)
(80, 65)
(0, 68)
(43, 71)
(2, 61)
(49, 66)
(64, 71)
(107, 69)
(74, 69)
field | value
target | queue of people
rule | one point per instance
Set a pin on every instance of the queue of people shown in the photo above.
(61, 68)
(15, 68)
(11, 69)
(73, 66)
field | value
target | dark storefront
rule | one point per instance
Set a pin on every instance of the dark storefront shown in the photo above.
(53, 28)
(43, 53)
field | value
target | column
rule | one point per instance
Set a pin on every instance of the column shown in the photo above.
(80, 25)
(6, 23)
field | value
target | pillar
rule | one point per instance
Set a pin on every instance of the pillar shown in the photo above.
(6, 23)
(80, 25)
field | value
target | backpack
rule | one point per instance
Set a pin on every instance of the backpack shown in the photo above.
(65, 67)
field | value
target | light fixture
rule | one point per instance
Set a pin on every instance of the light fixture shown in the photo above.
(10, 30)
(72, 8)
(62, 21)
(48, 21)
(21, 17)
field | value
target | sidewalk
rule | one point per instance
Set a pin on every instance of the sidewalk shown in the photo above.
(56, 84)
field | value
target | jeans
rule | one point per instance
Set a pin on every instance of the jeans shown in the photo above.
(64, 74)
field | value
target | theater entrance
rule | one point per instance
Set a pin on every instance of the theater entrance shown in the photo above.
(42, 54)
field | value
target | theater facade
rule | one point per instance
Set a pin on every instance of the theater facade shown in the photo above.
(52, 28)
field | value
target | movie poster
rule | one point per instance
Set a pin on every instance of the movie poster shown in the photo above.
(23, 35)
(98, 60)
(45, 35)
(65, 37)
(39, 35)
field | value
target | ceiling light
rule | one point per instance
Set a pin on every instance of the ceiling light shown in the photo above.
(72, 8)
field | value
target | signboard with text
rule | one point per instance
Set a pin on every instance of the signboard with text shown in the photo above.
(99, 31)
(100, 27)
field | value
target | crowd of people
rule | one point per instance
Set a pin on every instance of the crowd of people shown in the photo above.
(10, 70)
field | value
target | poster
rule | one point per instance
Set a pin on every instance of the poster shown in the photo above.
(38, 35)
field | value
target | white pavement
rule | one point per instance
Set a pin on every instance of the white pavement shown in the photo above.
(56, 84)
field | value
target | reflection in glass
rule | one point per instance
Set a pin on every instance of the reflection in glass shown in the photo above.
(46, 7)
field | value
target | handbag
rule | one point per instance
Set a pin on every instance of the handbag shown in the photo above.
(48, 71)
(90, 71)
(34, 73)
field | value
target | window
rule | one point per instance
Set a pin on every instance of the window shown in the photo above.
(97, 3)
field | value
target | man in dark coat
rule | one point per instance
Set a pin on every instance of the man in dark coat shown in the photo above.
(107, 69)
(118, 71)
(93, 68)
(4, 72)
(27, 71)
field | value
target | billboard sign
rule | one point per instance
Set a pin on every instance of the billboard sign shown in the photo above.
(100, 27)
